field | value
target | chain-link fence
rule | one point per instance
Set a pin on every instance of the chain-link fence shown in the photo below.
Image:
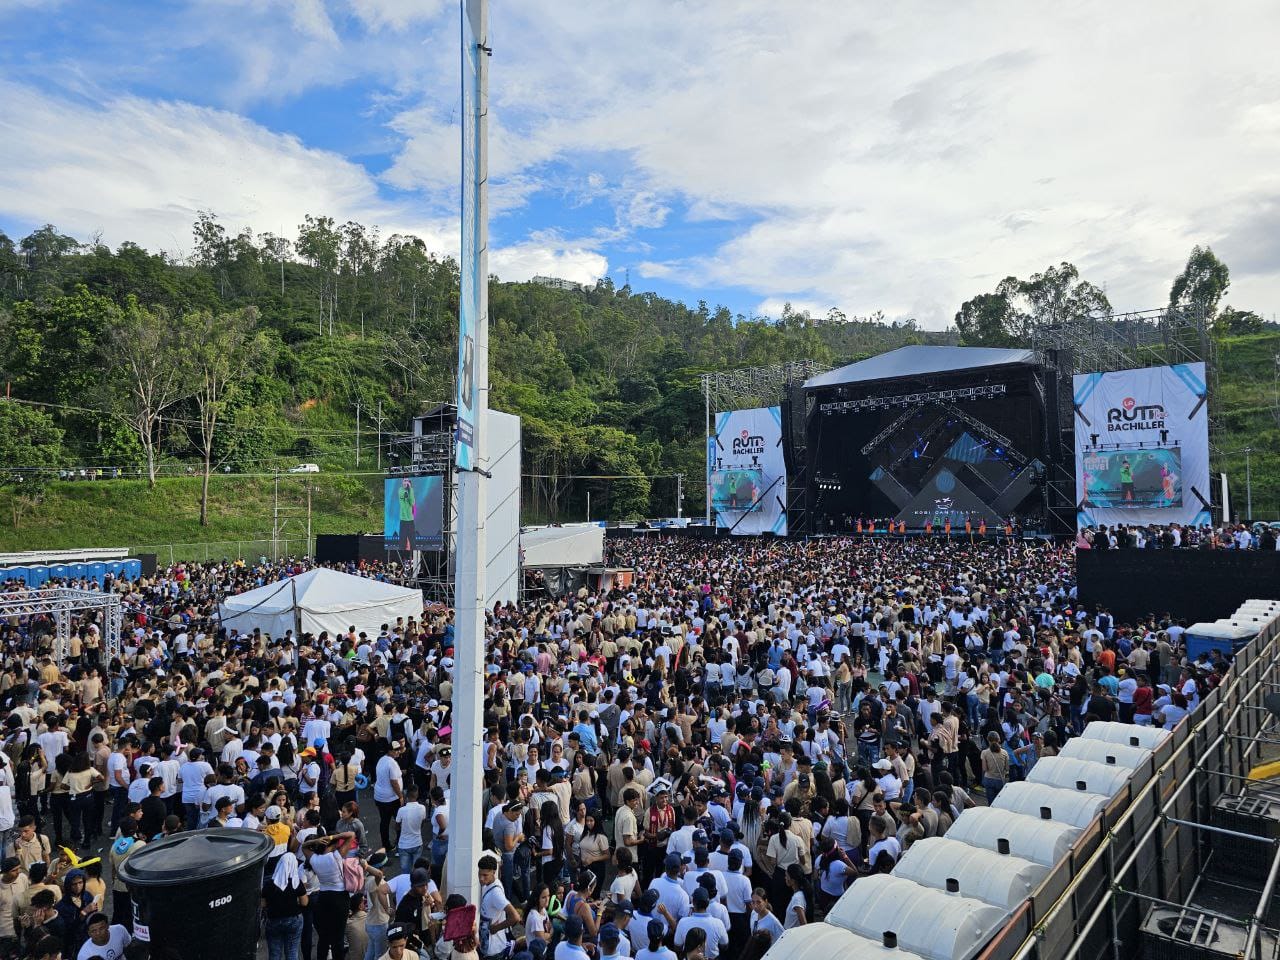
(168, 554)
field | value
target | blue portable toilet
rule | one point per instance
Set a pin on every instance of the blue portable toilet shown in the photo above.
(77, 571)
(37, 575)
(97, 571)
(131, 569)
(14, 573)
(58, 571)
(114, 567)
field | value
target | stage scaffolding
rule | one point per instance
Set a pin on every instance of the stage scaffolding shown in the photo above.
(767, 386)
(63, 604)
(1099, 344)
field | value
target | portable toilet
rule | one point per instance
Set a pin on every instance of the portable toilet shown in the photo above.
(77, 571)
(999, 879)
(58, 571)
(131, 569)
(97, 571)
(1225, 638)
(1076, 807)
(823, 941)
(114, 567)
(1084, 775)
(14, 573)
(936, 925)
(37, 575)
(1041, 841)
(1110, 731)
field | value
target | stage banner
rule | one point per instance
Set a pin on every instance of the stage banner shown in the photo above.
(413, 513)
(746, 473)
(473, 292)
(1142, 446)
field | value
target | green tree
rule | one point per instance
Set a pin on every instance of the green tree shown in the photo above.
(225, 350)
(1231, 322)
(1201, 284)
(989, 320)
(150, 362)
(30, 452)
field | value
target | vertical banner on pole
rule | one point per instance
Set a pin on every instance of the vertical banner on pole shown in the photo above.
(474, 255)
(472, 463)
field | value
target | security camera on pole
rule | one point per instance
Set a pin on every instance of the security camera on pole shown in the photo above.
(466, 817)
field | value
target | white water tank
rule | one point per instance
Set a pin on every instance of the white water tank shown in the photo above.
(1099, 751)
(1075, 807)
(822, 941)
(1001, 880)
(1041, 841)
(1134, 735)
(1086, 776)
(936, 925)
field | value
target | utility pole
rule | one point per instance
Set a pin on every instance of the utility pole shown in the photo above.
(275, 517)
(379, 434)
(357, 434)
(308, 513)
(679, 495)
(588, 506)
(1248, 486)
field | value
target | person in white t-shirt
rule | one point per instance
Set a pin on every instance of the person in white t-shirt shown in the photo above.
(107, 940)
(410, 818)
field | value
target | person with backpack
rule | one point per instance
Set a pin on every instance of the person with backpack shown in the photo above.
(497, 914)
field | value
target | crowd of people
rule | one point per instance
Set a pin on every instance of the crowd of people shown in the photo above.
(682, 768)
(1226, 536)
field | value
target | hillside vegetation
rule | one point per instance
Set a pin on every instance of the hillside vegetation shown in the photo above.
(255, 354)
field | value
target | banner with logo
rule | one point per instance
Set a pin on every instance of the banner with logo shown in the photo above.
(746, 473)
(1142, 446)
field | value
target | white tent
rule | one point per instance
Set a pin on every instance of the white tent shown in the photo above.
(578, 545)
(320, 600)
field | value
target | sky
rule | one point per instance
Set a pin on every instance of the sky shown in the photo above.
(862, 156)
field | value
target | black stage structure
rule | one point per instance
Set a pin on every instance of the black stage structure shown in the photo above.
(926, 434)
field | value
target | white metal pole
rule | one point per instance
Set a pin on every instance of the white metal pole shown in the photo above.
(706, 423)
(466, 784)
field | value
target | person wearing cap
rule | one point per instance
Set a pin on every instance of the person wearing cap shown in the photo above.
(672, 895)
(610, 941)
(737, 901)
(398, 938)
(570, 946)
(717, 934)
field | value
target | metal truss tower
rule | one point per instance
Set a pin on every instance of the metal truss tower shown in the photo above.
(63, 603)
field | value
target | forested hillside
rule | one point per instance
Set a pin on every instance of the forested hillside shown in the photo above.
(254, 353)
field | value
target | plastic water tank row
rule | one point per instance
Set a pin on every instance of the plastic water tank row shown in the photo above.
(948, 896)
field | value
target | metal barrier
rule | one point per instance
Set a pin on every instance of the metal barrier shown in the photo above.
(250, 551)
(1158, 852)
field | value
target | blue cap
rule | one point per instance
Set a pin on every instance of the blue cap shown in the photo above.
(573, 928)
(610, 933)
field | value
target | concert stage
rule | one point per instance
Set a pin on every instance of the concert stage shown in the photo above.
(924, 434)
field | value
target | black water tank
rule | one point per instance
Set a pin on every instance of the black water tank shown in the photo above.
(195, 895)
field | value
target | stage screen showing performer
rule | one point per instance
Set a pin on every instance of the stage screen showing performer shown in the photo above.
(1142, 478)
(736, 490)
(413, 513)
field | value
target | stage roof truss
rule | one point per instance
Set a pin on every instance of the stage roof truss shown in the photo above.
(63, 603)
(987, 431)
(756, 386)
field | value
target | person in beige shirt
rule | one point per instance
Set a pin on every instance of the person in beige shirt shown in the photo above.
(626, 828)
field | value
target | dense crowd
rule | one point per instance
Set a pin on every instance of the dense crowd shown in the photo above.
(1227, 536)
(682, 768)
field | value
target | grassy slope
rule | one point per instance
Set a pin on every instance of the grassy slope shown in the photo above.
(127, 513)
(1248, 413)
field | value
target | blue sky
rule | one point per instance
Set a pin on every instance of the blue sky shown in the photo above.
(839, 154)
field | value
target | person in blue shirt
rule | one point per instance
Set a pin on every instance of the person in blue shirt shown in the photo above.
(586, 734)
(655, 951)
(611, 943)
(570, 948)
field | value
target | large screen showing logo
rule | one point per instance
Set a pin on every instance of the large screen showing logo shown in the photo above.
(1133, 479)
(1142, 446)
(413, 513)
(746, 474)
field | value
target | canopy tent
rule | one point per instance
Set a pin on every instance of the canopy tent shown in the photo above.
(320, 600)
(580, 545)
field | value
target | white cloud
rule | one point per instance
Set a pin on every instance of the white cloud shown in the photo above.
(906, 163)
(548, 258)
(395, 14)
